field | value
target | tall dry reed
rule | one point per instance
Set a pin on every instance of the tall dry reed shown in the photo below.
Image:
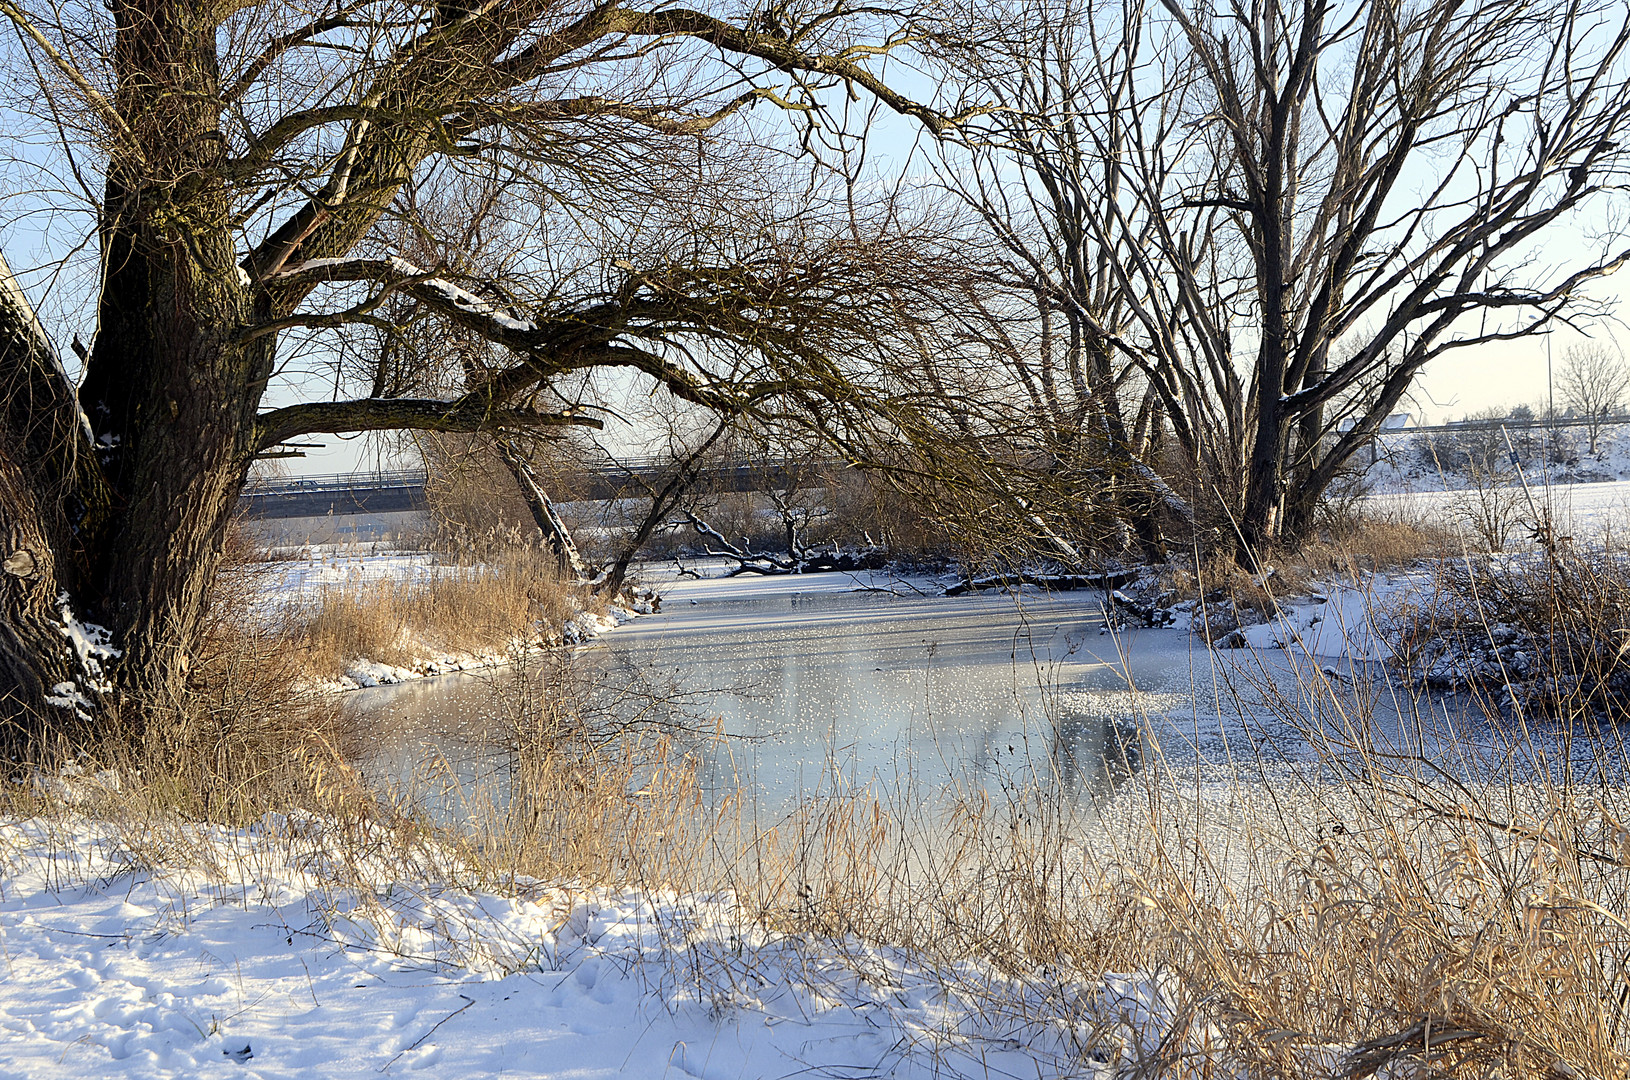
(1388, 889)
(451, 609)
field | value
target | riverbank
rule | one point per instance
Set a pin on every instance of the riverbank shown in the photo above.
(250, 960)
(1288, 882)
(348, 619)
(1312, 929)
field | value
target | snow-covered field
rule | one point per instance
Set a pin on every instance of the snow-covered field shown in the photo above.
(1586, 494)
(265, 965)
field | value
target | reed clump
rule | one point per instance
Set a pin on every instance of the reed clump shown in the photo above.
(1227, 595)
(1545, 632)
(515, 597)
(1372, 909)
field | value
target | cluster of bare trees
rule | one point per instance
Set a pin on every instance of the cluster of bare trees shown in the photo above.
(1191, 239)
(1593, 382)
(1240, 225)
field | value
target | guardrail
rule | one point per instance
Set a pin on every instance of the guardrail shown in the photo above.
(284, 485)
(1536, 424)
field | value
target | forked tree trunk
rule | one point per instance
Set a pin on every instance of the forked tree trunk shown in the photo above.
(169, 394)
(123, 507)
(171, 386)
(116, 516)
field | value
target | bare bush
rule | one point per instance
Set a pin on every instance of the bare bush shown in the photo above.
(1492, 505)
(1543, 632)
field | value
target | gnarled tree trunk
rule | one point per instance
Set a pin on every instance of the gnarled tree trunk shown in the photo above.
(48, 496)
(171, 388)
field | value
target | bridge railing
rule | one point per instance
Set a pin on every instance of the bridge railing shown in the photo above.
(600, 479)
(301, 485)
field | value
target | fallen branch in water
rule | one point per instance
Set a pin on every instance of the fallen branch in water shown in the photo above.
(799, 560)
(1112, 579)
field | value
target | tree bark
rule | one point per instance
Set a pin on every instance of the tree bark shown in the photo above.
(46, 494)
(1259, 522)
(170, 391)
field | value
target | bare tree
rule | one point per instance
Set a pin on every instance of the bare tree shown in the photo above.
(1593, 381)
(1301, 204)
(1049, 306)
(244, 163)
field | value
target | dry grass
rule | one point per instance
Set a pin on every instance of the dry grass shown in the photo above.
(1362, 913)
(1365, 546)
(1440, 932)
(516, 597)
(1374, 543)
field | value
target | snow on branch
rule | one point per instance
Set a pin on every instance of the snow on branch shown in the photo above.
(588, 340)
(398, 274)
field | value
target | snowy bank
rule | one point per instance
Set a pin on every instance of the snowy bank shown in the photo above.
(285, 586)
(259, 960)
(1340, 622)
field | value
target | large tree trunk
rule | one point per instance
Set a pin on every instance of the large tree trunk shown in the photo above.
(1259, 521)
(172, 396)
(117, 513)
(170, 389)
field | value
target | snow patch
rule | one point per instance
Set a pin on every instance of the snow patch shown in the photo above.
(75, 787)
(66, 695)
(92, 646)
(1346, 622)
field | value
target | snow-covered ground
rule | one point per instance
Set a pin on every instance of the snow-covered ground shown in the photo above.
(215, 952)
(265, 965)
(190, 951)
(1340, 622)
(1403, 462)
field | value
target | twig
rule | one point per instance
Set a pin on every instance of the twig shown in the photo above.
(468, 1001)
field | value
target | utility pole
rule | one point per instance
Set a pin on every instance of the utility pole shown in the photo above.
(1550, 406)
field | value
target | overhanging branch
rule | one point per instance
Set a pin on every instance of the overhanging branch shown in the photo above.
(473, 412)
(554, 346)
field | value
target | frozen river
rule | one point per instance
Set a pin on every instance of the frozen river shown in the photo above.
(832, 682)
